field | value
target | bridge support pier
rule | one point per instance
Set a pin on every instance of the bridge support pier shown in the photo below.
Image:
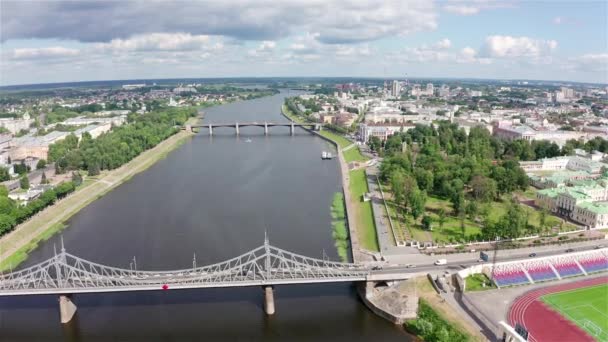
(237, 128)
(268, 300)
(67, 308)
(292, 129)
(210, 130)
(265, 128)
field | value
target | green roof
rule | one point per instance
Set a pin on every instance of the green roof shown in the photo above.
(550, 192)
(595, 207)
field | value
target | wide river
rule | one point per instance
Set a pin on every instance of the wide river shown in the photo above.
(213, 197)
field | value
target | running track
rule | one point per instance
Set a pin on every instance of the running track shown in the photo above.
(544, 324)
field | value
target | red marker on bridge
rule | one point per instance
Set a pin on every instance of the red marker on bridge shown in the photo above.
(165, 287)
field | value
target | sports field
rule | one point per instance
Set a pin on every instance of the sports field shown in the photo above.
(587, 307)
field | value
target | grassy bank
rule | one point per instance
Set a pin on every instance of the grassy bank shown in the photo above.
(339, 231)
(430, 326)
(437, 307)
(363, 211)
(16, 245)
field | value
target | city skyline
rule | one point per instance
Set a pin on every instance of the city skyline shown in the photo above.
(58, 41)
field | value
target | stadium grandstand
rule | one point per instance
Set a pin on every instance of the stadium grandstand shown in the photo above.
(547, 268)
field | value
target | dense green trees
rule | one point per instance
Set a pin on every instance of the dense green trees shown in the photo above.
(24, 182)
(12, 214)
(466, 170)
(119, 146)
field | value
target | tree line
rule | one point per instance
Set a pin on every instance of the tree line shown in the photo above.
(120, 145)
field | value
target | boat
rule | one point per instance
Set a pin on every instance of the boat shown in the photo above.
(247, 140)
(326, 155)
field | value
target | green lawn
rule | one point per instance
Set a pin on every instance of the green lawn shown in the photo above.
(354, 155)
(451, 230)
(475, 282)
(340, 140)
(586, 307)
(363, 211)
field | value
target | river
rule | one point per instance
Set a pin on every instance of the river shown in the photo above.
(213, 197)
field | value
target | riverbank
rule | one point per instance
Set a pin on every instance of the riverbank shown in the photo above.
(361, 226)
(15, 246)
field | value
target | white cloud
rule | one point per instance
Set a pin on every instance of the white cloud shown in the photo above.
(443, 44)
(336, 21)
(471, 7)
(265, 48)
(157, 42)
(591, 62)
(461, 9)
(514, 47)
(44, 53)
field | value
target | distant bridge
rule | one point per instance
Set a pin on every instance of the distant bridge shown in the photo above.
(265, 125)
(65, 274)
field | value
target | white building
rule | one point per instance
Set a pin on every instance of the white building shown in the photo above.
(382, 131)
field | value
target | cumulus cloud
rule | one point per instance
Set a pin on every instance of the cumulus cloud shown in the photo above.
(514, 47)
(264, 49)
(471, 7)
(591, 62)
(461, 9)
(43, 53)
(156, 42)
(337, 22)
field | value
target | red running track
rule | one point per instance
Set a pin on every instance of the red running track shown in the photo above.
(544, 324)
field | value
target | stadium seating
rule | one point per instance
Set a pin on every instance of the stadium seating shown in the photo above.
(544, 269)
(594, 263)
(508, 275)
(539, 271)
(567, 267)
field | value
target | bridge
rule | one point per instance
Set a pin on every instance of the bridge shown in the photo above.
(65, 274)
(265, 125)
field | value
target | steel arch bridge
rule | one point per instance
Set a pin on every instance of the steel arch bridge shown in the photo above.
(65, 273)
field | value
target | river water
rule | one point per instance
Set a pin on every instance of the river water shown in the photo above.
(213, 197)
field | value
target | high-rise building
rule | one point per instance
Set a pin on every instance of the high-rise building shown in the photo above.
(396, 89)
(430, 90)
(568, 92)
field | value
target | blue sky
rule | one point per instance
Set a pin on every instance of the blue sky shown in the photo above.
(58, 41)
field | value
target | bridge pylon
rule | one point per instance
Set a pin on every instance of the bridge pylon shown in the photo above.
(67, 308)
(268, 300)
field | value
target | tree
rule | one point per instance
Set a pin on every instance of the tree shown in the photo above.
(471, 210)
(24, 182)
(441, 214)
(375, 143)
(427, 221)
(4, 174)
(93, 169)
(41, 164)
(43, 179)
(483, 188)
(76, 178)
(417, 202)
(20, 168)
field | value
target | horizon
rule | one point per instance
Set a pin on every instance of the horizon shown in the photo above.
(45, 42)
(242, 78)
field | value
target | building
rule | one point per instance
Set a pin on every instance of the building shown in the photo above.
(588, 164)
(17, 124)
(587, 205)
(396, 89)
(382, 131)
(592, 215)
(81, 121)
